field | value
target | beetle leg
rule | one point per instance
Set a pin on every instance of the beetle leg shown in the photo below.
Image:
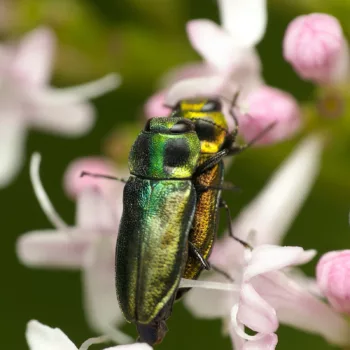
(209, 163)
(102, 176)
(223, 204)
(197, 253)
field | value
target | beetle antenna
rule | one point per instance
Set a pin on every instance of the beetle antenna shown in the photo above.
(102, 176)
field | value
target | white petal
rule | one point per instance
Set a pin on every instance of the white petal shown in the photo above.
(295, 306)
(101, 305)
(69, 120)
(268, 342)
(52, 249)
(41, 337)
(272, 212)
(254, 312)
(33, 59)
(136, 346)
(12, 144)
(215, 45)
(76, 94)
(216, 86)
(266, 258)
(206, 303)
(95, 213)
(244, 20)
(185, 71)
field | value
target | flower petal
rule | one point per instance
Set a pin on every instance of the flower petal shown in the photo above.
(244, 20)
(206, 303)
(268, 342)
(273, 211)
(76, 94)
(69, 120)
(52, 249)
(96, 214)
(296, 307)
(41, 337)
(136, 346)
(101, 305)
(155, 106)
(254, 312)
(12, 139)
(266, 258)
(215, 45)
(34, 56)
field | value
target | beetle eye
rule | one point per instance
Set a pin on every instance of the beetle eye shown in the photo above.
(148, 125)
(182, 127)
(212, 106)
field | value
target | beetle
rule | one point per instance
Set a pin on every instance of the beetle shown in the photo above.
(216, 143)
(159, 202)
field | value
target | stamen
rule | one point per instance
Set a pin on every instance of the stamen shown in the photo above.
(239, 328)
(41, 194)
(185, 283)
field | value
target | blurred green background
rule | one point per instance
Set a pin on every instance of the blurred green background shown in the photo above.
(142, 40)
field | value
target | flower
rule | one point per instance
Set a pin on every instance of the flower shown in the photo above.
(315, 46)
(88, 246)
(268, 105)
(230, 59)
(332, 273)
(27, 101)
(231, 64)
(268, 293)
(41, 337)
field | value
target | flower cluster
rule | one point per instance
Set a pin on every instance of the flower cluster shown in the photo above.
(265, 286)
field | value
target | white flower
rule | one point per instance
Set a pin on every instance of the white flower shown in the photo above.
(27, 101)
(41, 337)
(265, 294)
(88, 246)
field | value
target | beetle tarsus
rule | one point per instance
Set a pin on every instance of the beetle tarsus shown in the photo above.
(102, 176)
(196, 252)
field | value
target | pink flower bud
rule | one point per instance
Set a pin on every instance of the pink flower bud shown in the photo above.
(268, 105)
(75, 184)
(154, 107)
(315, 46)
(333, 278)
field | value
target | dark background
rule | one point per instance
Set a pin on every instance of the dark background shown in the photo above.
(142, 40)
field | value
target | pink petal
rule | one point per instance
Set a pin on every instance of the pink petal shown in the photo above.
(69, 120)
(333, 277)
(268, 342)
(296, 307)
(74, 184)
(155, 106)
(206, 303)
(215, 45)
(96, 214)
(52, 249)
(41, 337)
(32, 63)
(266, 258)
(268, 105)
(12, 145)
(254, 312)
(244, 20)
(101, 304)
(314, 44)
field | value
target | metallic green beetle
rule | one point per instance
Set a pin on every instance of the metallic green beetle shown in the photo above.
(159, 204)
